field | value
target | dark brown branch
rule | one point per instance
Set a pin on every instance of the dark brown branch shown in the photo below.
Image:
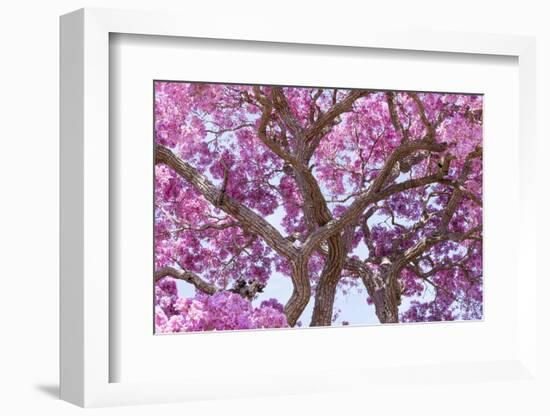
(221, 193)
(301, 292)
(375, 193)
(313, 135)
(327, 118)
(366, 231)
(313, 106)
(280, 103)
(267, 109)
(254, 224)
(458, 194)
(422, 111)
(316, 210)
(202, 228)
(428, 242)
(394, 117)
(249, 220)
(467, 193)
(247, 290)
(316, 213)
(187, 276)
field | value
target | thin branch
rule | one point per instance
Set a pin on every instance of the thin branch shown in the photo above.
(202, 228)
(327, 118)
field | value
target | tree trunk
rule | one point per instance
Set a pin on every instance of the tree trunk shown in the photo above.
(330, 276)
(383, 288)
(386, 306)
(301, 292)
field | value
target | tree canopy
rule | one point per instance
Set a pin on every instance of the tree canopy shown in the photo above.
(380, 191)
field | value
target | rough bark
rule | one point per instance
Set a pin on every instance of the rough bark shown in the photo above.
(326, 287)
(376, 192)
(187, 276)
(247, 290)
(251, 221)
(301, 291)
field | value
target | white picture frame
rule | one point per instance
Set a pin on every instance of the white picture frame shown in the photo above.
(85, 354)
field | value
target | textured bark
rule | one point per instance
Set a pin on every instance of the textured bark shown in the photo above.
(301, 291)
(386, 306)
(251, 221)
(390, 97)
(187, 276)
(376, 192)
(247, 290)
(326, 287)
(383, 288)
(317, 214)
(325, 121)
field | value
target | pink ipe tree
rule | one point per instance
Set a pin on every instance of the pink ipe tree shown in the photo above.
(332, 189)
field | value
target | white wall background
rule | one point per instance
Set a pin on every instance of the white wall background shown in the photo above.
(29, 56)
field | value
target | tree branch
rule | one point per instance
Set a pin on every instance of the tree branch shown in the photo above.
(457, 194)
(283, 108)
(426, 243)
(313, 135)
(422, 111)
(325, 119)
(390, 96)
(375, 193)
(202, 228)
(250, 221)
(187, 276)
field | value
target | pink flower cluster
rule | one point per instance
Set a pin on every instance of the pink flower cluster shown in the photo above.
(222, 311)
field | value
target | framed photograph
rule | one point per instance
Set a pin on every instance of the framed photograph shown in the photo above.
(285, 207)
(238, 220)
